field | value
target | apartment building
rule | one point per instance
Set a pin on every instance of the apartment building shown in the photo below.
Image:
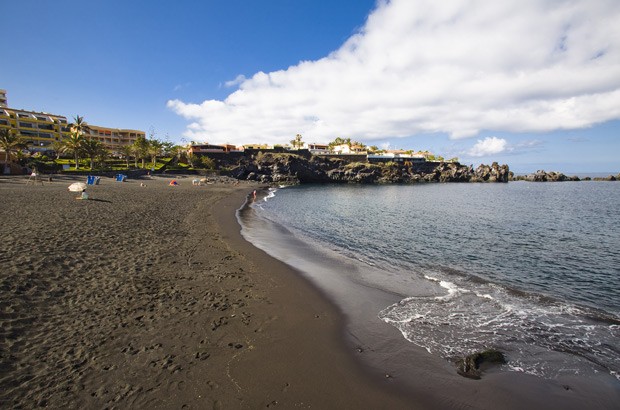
(113, 138)
(3, 100)
(38, 129)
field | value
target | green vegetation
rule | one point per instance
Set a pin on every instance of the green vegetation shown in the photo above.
(73, 144)
(346, 141)
(90, 153)
(297, 142)
(11, 144)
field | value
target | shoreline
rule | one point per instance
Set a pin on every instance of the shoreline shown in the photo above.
(150, 297)
(383, 349)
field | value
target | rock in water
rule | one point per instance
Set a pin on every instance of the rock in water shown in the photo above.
(470, 366)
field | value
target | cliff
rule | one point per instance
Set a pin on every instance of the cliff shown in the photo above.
(295, 169)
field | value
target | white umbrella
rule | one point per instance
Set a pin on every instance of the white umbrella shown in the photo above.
(77, 187)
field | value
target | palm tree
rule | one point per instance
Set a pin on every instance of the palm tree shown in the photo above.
(92, 148)
(73, 144)
(9, 143)
(297, 142)
(78, 126)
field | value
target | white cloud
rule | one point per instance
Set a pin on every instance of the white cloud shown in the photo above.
(488, 146)
(238, 80)
(426, 66)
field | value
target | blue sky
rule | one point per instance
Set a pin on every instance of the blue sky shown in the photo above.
(531, 83)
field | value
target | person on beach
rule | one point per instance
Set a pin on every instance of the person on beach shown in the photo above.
(84, 195)
(254, 195)
(173, 183)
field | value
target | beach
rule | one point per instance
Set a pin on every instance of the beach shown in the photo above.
(148, 297)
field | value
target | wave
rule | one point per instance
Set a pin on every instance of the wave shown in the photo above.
(539, 335)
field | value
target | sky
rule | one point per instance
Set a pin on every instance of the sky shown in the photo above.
(534, 84)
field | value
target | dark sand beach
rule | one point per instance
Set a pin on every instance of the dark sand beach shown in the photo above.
(148, 297)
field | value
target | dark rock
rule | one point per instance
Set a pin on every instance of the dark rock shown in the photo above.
(551, 176)
(291, 169)
(471, 365)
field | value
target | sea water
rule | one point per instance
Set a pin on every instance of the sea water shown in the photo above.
(531, 269)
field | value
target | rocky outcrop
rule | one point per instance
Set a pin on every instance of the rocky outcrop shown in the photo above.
(607, 178)
(289, 169)
(543, 176)
(471, 366)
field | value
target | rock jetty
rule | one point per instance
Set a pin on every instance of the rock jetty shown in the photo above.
(544, 176)
(553, 176)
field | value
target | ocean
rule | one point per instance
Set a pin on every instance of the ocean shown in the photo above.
(531, 269)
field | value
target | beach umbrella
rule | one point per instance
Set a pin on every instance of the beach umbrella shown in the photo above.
(77, 187)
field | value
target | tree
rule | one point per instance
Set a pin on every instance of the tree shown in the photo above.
(190, 157)
(168, 148)
(92, 148)
(126, 151)
(78, 126)
(340, 141)
(10, 143)
(58, 148)
(154, 149)
(207, 163)
(135, 153)
(73, 145)
(178, 151)
(297, 142)
(141, 146)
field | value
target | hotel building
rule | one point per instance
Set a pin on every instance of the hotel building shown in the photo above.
(40, 130)
(3, 101)
(112, 138)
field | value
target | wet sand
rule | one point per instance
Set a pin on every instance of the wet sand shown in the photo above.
(148, 297)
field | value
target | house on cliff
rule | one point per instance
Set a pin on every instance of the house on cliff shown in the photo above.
(396, 157)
